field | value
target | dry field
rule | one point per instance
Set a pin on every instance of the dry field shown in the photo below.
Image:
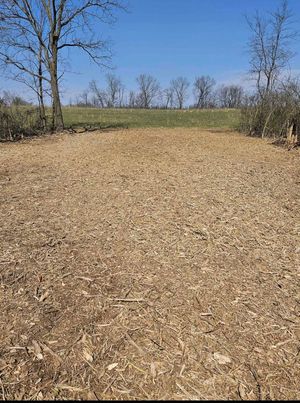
(158, 263)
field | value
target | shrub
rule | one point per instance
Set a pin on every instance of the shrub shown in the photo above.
(275, 115)
(17, 122)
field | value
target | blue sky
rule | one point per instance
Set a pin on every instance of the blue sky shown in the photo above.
(170, 38)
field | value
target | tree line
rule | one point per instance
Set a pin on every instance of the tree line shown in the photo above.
(150, 94)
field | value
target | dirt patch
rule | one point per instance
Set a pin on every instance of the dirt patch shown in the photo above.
(149, 264)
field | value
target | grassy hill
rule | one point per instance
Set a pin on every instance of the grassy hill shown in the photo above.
(142, 118)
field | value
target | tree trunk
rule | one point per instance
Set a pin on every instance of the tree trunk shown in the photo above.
(41, 93)
(41, 97)
(57, 120)
(42, 112)
(292, 137)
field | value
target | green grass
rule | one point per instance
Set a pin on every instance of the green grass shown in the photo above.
(142, 118)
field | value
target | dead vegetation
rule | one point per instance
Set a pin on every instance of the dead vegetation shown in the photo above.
(149, 264)
(17, 122)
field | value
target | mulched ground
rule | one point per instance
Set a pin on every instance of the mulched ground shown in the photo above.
(149, 264)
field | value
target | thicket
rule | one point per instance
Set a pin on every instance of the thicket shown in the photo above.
(17, 122)
(274, 111)
(275, 115)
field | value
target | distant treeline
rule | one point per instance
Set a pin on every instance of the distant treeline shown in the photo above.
(150, 94)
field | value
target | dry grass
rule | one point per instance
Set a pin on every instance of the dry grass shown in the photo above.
(145, 264)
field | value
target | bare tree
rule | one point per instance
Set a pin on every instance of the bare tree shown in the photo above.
(114, 91)
(99, 95)
(35, 79)
(269, 47)
(21, 55)
(203, 89)
(57, 25)
(148, 90)
(9, 98)
(131, 99)
(84, 99)
(168, 98)
(269, 113)
(230, 96)
(121, 99)
(180, 90)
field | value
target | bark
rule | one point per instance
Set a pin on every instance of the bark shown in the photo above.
(57, 118)
(292, 137)
(41, 95)
(58, 121)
